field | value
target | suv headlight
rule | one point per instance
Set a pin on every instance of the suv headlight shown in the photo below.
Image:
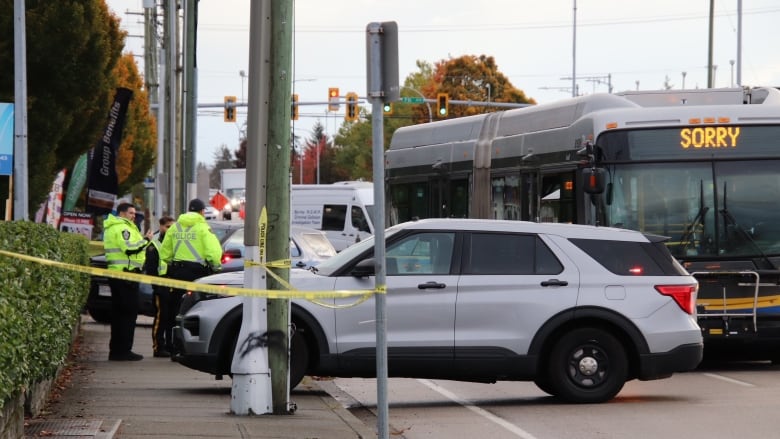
(190, 298)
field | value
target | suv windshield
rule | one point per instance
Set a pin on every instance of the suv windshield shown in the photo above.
(328, 266)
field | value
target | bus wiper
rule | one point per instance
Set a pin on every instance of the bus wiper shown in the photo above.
(729, 219)
(686, 240)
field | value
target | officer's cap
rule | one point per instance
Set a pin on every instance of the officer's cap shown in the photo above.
(196, 205)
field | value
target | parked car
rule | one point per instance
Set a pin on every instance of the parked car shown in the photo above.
(308, 247)
(210, 213)
(99, 299)
(577, 309)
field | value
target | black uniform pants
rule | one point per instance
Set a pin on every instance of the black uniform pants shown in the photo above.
(124, 311)
(188, 271)
(166, 307)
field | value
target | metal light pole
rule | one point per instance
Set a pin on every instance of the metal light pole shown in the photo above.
(242, 74)
(732, 72)
(683, 81)
(574, 53)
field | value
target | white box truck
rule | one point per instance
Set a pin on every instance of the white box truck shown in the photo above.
(233, 186)
(342, 210)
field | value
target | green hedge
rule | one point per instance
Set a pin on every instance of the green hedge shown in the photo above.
(39, 304)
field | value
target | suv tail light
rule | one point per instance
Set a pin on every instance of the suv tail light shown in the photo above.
(684, 295)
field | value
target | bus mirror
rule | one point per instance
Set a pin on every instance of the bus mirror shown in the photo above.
(609, 194)
(593, 180)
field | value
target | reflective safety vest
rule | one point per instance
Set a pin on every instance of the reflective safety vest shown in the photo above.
(123, 244)
(190, 240)
(162, 267)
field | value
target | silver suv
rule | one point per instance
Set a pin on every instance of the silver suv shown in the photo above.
(579, 310)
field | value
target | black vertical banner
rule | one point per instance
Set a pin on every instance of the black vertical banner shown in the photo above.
(102, 186)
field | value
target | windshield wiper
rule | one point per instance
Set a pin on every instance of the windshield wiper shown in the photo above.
(729, 219)
(686, 240)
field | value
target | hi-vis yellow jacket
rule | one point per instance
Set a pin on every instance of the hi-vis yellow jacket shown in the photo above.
(123, 244)
(190, 239)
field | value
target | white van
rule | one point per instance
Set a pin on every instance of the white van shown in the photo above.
(342, 210)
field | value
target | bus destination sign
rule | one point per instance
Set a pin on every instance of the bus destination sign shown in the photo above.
(709, 137)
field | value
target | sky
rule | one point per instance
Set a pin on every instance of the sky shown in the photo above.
(538, 46)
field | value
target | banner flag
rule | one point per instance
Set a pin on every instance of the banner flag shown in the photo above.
(77, 180)
(6, 138)
(103, 182)
(54, 204)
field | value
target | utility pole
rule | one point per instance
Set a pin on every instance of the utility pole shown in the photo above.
(171, 102)
(710, 70)
(190, 94)
(278, 197)
(251, 392)
(152, 84)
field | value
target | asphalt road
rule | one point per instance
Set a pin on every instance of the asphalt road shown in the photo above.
(720, 401)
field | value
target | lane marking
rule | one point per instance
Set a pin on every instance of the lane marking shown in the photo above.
(517, 431)
(729, 380)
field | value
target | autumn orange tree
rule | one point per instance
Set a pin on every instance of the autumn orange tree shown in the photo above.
(466, 78)
(470, 78)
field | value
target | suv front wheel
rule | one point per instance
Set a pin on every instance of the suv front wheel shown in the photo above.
(588, 365)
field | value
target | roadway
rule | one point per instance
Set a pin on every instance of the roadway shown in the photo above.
(717, 401)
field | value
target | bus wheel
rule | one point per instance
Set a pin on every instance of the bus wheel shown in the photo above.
(588, 365)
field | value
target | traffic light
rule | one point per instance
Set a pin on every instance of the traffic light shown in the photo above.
(294, 109)
(333, 99)
(353, 112)
(230, 108)
(387, 108)
(442, 104)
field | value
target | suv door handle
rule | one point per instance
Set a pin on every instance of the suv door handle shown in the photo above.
(431, 285)
(554, 283)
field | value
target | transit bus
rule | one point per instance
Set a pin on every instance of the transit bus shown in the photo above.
(701, 167)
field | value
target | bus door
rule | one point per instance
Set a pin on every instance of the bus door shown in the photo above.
(556, 198)
(448, 197)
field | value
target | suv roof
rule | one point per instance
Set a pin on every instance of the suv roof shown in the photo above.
(560, 229)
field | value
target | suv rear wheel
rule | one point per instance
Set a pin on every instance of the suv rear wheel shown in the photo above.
(588, 365)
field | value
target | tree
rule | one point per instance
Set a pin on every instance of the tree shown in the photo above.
(472, 78)
(240, 161)
(222, 160)
(72, 49)
(464, 78)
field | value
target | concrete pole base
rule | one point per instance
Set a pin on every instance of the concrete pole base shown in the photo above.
(251, 394)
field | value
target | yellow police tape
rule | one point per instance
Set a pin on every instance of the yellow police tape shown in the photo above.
(290, 293)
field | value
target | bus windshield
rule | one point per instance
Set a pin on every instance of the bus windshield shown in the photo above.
(707, 208)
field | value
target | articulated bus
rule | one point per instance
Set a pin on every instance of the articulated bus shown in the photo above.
(701, 167)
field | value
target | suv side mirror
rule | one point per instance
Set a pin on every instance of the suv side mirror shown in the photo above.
(363, 268)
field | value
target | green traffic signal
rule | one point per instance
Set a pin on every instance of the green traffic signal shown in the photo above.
(442, 104)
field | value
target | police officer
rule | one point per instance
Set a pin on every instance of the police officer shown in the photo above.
(190, 248)
(124, 247)
(165, 314)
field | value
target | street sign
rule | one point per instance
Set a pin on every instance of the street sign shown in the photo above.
(412, 100)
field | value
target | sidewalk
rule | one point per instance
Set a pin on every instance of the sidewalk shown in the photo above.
(158, 398)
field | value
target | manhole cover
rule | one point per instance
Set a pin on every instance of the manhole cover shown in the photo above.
(65, 428)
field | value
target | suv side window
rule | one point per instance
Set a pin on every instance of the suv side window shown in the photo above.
(626, 258)
(507, 254)
(333, 216)
(421, 253)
